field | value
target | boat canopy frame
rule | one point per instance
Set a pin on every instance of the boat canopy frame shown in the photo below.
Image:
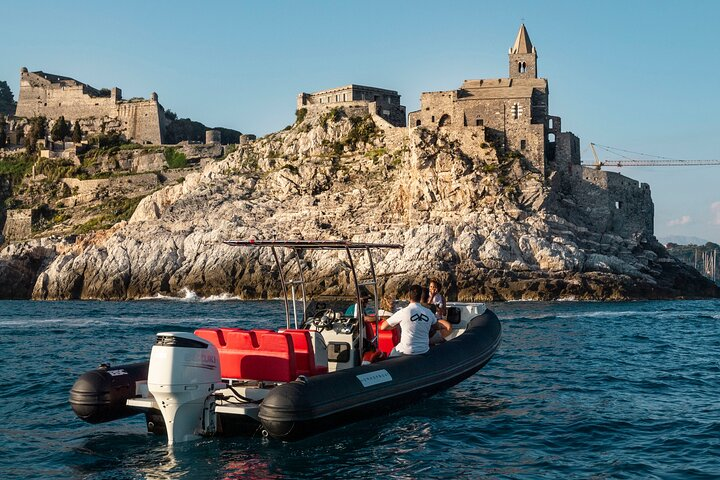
(296, 246)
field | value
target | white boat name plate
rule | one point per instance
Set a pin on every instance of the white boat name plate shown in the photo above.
(374, 378)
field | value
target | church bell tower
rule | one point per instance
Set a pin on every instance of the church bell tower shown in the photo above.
(523, 56)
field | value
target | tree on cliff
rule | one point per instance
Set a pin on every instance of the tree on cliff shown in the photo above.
(7, 102)
(60, 130)
(38, 130)
(76, 132)
(3, 135)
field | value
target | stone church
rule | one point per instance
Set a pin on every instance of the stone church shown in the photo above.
(513, 111)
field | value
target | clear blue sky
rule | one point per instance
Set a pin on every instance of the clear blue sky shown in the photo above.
(637, 75)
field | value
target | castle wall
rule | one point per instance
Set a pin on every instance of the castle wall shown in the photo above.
(39, 96)
(613, 203)
(18, 224)
(53, 97)
(142, 120)
(566, 151)
(381, 102)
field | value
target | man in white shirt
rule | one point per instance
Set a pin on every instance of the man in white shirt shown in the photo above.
(415, 322)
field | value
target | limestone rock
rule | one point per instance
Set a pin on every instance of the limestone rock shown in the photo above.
(487, 228)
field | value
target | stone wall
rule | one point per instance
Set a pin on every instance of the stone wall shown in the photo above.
(18, 224)
(509, 115)
(379, 101)
(612, 203)
(53, 96)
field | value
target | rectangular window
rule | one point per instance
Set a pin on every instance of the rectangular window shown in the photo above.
(478, 122)
(523, 144)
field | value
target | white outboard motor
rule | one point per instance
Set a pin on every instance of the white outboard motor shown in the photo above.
(184, 372)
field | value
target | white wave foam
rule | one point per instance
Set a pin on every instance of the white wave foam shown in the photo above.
(187, 295)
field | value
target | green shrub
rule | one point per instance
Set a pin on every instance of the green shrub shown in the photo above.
(76, 132)
(175, 159)
(60, 130)
(333, 115)
(363, 130)
(300, 115)
(16, 166)
(114, 211)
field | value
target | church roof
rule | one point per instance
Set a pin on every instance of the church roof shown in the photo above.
(522, 42)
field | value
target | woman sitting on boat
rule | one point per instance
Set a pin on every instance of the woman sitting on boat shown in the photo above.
(415, 322)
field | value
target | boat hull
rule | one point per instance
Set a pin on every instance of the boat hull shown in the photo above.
(309, 406)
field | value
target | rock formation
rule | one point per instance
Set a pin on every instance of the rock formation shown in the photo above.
(483, 223)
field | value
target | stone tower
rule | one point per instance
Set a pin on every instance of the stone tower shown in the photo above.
(523, 56)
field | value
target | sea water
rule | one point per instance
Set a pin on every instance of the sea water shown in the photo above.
(576, 390)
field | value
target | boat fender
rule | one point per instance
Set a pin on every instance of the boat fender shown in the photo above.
(99, 396)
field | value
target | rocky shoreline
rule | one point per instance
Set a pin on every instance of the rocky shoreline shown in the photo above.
(484, 223)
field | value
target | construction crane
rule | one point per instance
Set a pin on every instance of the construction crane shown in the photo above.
(654, 161)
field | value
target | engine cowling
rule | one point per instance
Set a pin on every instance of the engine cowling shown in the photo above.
(184, 371)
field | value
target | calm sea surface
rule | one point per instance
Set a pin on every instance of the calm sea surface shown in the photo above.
(577, 390)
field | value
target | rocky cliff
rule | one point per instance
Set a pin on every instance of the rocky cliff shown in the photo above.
(483, 223)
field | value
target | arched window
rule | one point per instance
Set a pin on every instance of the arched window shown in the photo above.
(417, 123)
(444, 121)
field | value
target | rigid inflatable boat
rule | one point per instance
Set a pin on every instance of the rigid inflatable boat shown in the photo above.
(323, 370)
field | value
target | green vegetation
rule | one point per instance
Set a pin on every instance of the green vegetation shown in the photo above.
(77, 132)
(7, 102)
(60, 130)
(300, 115)
(107, 140)
(56, 168)
(114, 211)
(175, 159)
(333, 115)
(184, 129)
(38, 131)
(375, 153)
(363, 131)
(16, 166)
(3, 134)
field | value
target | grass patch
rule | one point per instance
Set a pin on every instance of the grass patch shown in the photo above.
(175, 159)
(114, 211)
(16, 166)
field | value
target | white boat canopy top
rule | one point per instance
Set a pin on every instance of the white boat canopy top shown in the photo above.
(349, 247)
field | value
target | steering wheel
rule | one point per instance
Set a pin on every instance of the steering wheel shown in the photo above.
(320, 323)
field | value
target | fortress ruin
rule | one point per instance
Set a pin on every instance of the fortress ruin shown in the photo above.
(378, 101)
(52, 96)
(513, 114)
